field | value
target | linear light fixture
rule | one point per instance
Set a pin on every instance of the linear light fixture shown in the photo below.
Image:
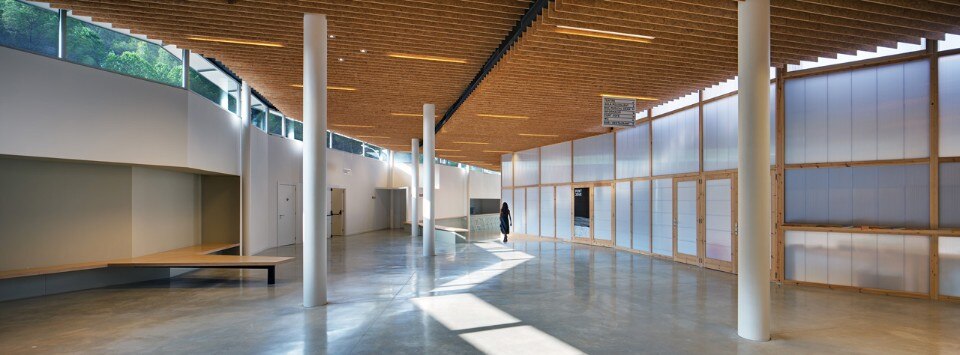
(475, 143)
(446, 150)
(426, 57)
(643, 98)
(453, 156)
(536, 135)
(497, 151)
(406, 114)
(513, 117)
(382, 137)
(589, 32)
(352, 125)
(340, 88)
(234, 41)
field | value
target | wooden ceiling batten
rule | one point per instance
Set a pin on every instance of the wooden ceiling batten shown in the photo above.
(551, 78)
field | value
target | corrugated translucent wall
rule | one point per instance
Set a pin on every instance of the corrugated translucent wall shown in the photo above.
(891, 262)
(867, 114)
(547, 219)
(555, 163)
(564, 212)
(687, 217)
(950, 106)
(719, 223)
(533, 211)
(506, 170)
(720, 134)
(675, 143)
(950, 195)
(663, 217)
(896, 196)
(527, 169)
(641, 215)
(622, 217)
(603, 213)
(949, 252)
(593, 158)
(633, 152)
(519, 210)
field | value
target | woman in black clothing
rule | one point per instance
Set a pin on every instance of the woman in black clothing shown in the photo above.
(505, 221)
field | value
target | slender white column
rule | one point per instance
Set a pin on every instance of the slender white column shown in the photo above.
(753, 215)
(414, 187)
(314, 160)
(429, 207)
(246, 190)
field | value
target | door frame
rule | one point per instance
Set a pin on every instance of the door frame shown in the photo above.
(715, 264)
(613, 213)
(296, 212)
(573, 213)
(677, 256)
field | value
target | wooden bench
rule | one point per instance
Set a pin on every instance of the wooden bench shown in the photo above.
(197, 256)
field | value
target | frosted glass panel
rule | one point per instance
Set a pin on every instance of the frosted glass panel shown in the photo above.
(527, 169)
(532, 214)
(949, 266)
(593, 158)
(719, 236)
(887, 196)
(950, 106)
(950, 195)
(564, 212)
(603, 213)
(663, 217)
(519, 210)
(675, 143)
(633, 152)
(720, 134)
(506, 169)
(555, 163)
(622, 217)
(865, 114)
(892, 262)
(641, 215)
(547, 218)
(687, 217)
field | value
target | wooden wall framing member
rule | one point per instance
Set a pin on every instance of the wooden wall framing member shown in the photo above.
(934, 138)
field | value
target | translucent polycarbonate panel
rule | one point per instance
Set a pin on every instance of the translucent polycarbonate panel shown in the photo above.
(951, 41)
(622, 215)
(795, 250)
(949, 266)
(720, 134)
(916, 263)
(662, 216)
(687, 217)
(527, 169)
(949, 106)
(633, 152)
(532, 214)
(641, 215)
(603, 213)
(865, 114)
(773, 124)
(841, 258)
(519, 210)
(839, 115)
(817, 257)
(547, 218)
(506, 196)
(675, 143)
(719, 226)
(555, 163)
(950, 195)
(890, 262)
(564, 211)
(593, 158)
(506, 169)
(864, 260)
(886, 196)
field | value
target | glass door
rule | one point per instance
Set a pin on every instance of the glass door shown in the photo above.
(582, 228)
(720, 240)
(686, 221)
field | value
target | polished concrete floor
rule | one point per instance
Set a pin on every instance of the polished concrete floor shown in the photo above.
(524, 297)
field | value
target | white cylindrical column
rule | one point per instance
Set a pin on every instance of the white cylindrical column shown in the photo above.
(246, 189)
(414, 187)
(314, 160)
(753, 198)
(429, 207)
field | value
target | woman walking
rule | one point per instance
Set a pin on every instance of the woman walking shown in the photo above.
(505, 221)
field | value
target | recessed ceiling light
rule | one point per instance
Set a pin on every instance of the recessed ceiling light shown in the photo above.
(339, 59)
(373, 137)
(332, 36)
(234, 41)
(426, 57)
(341, 88)
(515, 117)
(476, 143)
(363, 51)
(406, 114)
(497, 151)
(453, 156)
(446, 150)
(536, 135)
(643, 98)
(589, 32)
(352, 125)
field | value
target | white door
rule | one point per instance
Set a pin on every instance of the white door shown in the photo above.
(286, 214)
(337, 207)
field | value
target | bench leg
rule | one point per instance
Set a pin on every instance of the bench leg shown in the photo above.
(271, 275)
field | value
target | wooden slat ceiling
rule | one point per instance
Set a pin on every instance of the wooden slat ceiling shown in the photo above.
(553, 79)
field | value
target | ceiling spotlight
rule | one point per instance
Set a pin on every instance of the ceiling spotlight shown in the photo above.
(339, 59)
(363, 51)
(332, 36)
